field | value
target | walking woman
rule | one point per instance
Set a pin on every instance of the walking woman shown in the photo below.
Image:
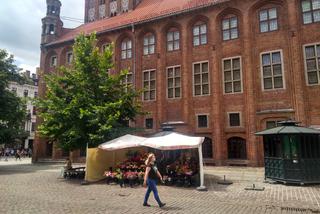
(150, 179)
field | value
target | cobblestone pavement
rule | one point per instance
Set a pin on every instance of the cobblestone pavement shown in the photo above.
(26, 188)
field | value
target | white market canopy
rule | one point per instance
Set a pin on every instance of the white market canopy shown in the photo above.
(162, 141)
(170, 141)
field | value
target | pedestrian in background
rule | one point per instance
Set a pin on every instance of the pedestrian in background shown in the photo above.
(150, 180)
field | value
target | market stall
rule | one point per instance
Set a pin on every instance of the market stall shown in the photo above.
(119, 148)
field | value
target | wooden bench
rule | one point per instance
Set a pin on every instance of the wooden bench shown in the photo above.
(78, 172)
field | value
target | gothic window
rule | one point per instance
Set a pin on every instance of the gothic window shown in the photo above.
(310, 11)
(200, 34)
(91, 11)
(51, 29)
(173, 40)
(53, 61)
(268, 20)
(230, 28)
(69, 57)
(126, 49)
(148, 44)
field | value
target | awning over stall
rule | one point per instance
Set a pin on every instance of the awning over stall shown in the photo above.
(165, 141)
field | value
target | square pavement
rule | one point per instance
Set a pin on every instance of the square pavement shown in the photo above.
(37, 188)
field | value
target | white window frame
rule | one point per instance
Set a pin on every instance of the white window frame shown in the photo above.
(282, 67)
(126, 41)
(229, 18)
(241, 79)
(305, 64)
(52, 65)
(174, 67)
(193, 82)
(197, 120)
(149, 44)
(126, 82)
(67, 57)
(268, 19)
(240, 119)
(199, 25)
(155, 96)
(173, 41)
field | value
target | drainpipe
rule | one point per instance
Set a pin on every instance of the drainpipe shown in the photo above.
(134, 56)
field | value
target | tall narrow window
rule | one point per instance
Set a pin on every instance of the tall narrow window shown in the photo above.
(148, 44)
(25, 93)
(149, 84)
(268, 20)
(201, 79)
(272, 70)
(200, 34)
(312, 61)
(126, 49)
(310, 11)
(69, 58)
(149, 123)
(232, 75)
(230, 28)
(102, 9)
(174, 82)
(128, 80)
(53, 61)
(173, 40)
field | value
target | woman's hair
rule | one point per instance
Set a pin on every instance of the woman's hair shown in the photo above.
(149, 159)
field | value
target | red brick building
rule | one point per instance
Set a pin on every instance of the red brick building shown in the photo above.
(215, 68)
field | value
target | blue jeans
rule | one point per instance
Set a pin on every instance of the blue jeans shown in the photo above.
(152, 186)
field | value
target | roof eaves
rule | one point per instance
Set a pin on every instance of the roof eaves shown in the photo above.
(145, 21)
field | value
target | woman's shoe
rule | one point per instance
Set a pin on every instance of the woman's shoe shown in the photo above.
(146, 205)
(162, 205)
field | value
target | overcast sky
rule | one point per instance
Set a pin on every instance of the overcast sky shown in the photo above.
(20, 27)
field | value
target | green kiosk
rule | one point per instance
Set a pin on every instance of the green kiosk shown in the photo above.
(292, 153)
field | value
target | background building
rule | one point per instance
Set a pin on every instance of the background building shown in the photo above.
(28, 91)
(222, 69)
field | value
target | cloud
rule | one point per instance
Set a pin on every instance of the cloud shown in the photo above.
(20, 27)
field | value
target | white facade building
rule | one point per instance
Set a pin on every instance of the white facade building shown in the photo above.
(28, 91)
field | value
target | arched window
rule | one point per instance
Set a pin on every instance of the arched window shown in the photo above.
(237, 148)
(268, 19)
(230, 28)
(148, 44)
(207, 148)
(200, 34)
(173, 39)
(126, 49)
(51, 29)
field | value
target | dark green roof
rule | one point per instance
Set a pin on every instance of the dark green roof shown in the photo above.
(288, 130)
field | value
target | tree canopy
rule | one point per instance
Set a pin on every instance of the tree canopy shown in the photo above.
(84, 103)
(12, 108)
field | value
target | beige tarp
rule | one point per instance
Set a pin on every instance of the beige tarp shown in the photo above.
(98, 161)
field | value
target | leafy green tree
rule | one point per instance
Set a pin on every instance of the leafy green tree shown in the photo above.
(84, 103)
(12, 108)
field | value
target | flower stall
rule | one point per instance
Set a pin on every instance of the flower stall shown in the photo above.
(128, 169)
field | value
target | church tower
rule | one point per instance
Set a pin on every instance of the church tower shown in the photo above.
(51, 24)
